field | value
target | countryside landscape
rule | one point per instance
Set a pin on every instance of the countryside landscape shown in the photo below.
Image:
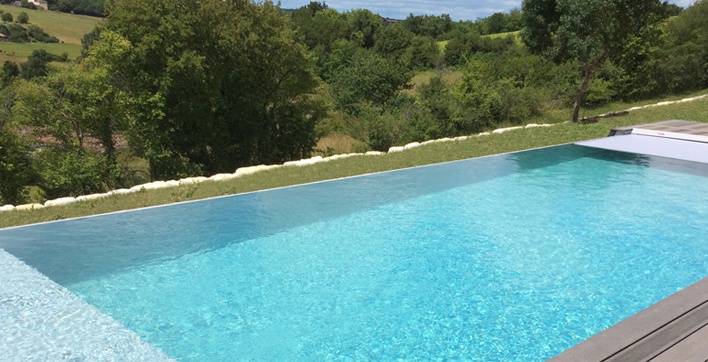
(163, 90)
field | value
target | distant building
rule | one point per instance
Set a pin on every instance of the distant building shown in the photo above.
(39, 3)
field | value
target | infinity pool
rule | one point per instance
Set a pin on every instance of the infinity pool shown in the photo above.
(510, 257)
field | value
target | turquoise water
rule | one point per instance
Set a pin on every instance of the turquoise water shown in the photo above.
(511, 257)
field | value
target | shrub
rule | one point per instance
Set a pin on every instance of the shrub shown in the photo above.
(69, 172)
(23, 18)
(6, 17)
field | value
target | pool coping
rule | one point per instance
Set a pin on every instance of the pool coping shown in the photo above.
(661, 331)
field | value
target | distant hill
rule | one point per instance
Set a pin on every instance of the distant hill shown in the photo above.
(68, 28)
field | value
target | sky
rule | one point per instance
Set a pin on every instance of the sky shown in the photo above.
(457, 9)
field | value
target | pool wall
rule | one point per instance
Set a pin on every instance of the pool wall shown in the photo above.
(43, 321)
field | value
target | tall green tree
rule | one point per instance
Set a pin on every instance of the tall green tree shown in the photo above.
(213, 84)
(589, 31)
(14, 153)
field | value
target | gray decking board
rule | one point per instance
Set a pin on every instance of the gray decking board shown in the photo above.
(672, 327)
(692, 349)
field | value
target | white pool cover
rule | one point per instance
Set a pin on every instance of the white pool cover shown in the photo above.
(692, 149)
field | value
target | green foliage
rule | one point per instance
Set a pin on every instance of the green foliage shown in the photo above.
(18, 34)
(10, 71)
(14, 162)
(589, 31)
(392, 41)
(501, 22)
(369, 79)
(28, 5)
(213, 85)
(36, 65)
(6, 17)
(462, 44)
(68, 171)
(364, 25)
(423, 53)
(428, 25)
(23, 18)
(36, 33)
(83, 7)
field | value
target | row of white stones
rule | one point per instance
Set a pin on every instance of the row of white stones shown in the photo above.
(305, 162)
(186, 181)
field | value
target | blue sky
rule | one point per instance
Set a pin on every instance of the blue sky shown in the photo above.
(458, 9)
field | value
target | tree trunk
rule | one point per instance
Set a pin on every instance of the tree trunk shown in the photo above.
(581, 94)
(587, 77)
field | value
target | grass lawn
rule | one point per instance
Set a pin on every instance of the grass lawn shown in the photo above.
(68, 28)
(428, 154)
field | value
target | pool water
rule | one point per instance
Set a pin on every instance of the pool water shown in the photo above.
(511, 257)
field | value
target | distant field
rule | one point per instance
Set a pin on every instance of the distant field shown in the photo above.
(68, 28)
(18, 52)
(449, 76)
(515, 34)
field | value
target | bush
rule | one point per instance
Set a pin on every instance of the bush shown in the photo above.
(38, 34)
(69, 172)
(23, 18)
(6, 17)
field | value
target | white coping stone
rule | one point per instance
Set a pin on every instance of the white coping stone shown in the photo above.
(502, 130)
(411, 145)
(155, 185)
(223, 176)
(124, 191)
(172, 183)
(7, 208)
(137, 188)
(192, 180)
(344, 155)
(92, 196)
(306, 161)
(29, 207)
(60, 201)
(484, 134)
(461, 138)
(43, 321)
(532, 125)
(446, 139)
(634, 109)
(428, 142)
(374, 153)
(395, 149)
(253, 169)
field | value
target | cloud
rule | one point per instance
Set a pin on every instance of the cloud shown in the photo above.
(457, 9)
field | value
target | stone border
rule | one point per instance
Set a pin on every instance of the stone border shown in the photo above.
(304, 162)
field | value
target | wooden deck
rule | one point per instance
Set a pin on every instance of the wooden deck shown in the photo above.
(674, 329)
(671, 126)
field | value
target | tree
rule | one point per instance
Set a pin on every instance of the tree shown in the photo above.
(391, 41)
(23, 18)
(589, 31)
(36, 65)
(10, 71)
(213, 85)
(6, 17)
(14, 151)
(369, 79)
(364, 25)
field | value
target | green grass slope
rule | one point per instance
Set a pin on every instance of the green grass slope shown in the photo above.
(68, 28)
